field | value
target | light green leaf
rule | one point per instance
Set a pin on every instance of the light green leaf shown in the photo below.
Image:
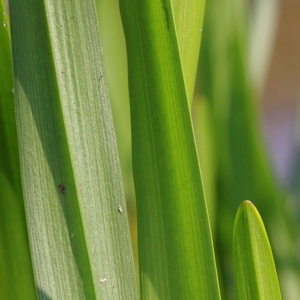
(176, 256)
(74, 202)
(255, 273)
(202, 124)
(188, 19)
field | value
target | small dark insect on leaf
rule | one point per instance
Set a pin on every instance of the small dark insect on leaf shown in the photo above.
(62, 189)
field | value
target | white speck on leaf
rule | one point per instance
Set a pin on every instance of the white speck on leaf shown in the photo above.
(120, 210)
(102, 280)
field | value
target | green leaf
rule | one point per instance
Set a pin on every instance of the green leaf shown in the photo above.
(176, 256)
(255, 272)
(202, 124)
(9, 164)
(16, 276)
(188, 19)
(114, 55)
(74, 202)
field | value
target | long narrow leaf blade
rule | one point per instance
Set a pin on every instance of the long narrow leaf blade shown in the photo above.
(16, 276)
(175, 248)
(255, 272)
(188, 19)
(74, 201)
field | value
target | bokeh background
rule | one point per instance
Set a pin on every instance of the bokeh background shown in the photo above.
(280, 91)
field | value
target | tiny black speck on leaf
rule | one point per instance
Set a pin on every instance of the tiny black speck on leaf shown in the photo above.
(62, 189)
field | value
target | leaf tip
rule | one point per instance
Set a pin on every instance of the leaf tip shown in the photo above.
(246, 202)
(247, 208)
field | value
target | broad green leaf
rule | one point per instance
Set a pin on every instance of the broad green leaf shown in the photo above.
(74, 202)
(16, 276)
(176, 256)
(255, 272)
